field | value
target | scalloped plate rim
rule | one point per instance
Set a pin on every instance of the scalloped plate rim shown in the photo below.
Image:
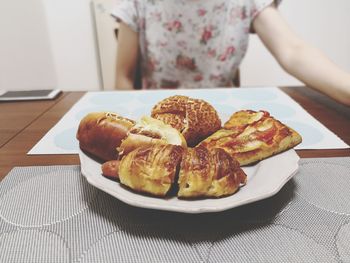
(265, 179)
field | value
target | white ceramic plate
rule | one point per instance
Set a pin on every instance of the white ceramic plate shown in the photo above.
(264, 180)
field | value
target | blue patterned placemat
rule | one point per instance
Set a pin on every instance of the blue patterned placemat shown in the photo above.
(133, 104)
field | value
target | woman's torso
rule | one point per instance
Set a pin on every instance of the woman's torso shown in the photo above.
(192, 44)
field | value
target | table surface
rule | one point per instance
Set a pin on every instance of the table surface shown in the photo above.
(23, 124)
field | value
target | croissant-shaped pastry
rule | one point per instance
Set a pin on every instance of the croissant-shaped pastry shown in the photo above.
(150, 169)
(196, 119)
(209, 173)
(154, 170)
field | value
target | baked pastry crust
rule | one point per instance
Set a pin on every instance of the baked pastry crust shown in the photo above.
(251, 136)
(100, 133)
(151, 169)
(149, 131)
(196, 119)
(205, 173)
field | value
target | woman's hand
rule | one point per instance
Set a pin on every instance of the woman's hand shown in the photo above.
(299, 59)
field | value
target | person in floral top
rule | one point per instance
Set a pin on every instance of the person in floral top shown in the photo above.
(201, 43)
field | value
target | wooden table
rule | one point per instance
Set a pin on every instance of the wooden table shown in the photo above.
(23, 124)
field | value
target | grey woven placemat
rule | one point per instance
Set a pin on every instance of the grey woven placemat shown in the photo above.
(51, 214)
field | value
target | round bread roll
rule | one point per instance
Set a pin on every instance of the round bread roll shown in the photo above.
(196, 119)
(151, 169)
(207, 173)
(100, 133)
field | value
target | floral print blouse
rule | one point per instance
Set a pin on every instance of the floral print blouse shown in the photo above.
(190, 43)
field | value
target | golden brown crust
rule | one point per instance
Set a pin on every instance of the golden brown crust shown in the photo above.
(196, 119)
(151, 169)
(241, 119)
(211, 173)
(100, 133)
(149, 131)
(252, 136)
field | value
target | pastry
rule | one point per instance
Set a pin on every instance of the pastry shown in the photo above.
(151, 169)
(196, 119)
(251, 136)
(205, 173)
(149, 131)
(100, 133)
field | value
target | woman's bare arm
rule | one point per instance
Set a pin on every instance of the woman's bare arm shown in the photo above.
(127, 53)
(299, 59)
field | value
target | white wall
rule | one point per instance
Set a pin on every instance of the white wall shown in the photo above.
(25, 53)
(48, 43)
(323, 23)
(72, 39)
